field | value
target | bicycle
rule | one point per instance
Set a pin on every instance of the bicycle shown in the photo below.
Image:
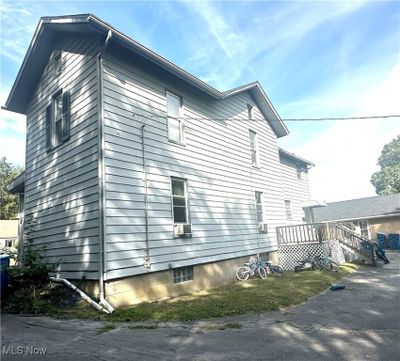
(271, 268)
(251, 268)
(326, 263)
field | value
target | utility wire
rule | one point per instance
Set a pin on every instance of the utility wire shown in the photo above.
(283, 119)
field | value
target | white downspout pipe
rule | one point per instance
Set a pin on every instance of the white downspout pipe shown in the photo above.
(101, 172)
(97, 306)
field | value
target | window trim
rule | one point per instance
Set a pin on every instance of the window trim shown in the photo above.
(50, 121)
(181, 112)
(187, 213)
(288, 209)
(250, 112)
(255, 149)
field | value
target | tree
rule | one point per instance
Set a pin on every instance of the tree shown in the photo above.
(387, 180)
(8, 202)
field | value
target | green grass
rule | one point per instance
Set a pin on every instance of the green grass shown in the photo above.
(271, 294)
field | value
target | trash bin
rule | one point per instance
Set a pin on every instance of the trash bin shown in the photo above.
(394, 239)
(4, 264)
(381, 237)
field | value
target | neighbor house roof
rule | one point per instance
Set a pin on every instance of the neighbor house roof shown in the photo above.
(50, 27)
(295, 158)
(362, 208)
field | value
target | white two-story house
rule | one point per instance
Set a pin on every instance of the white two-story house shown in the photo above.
(141, 179)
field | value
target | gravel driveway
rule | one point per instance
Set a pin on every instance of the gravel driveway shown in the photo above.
(361, 322)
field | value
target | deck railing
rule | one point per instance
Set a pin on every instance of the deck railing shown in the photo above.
(320, 232)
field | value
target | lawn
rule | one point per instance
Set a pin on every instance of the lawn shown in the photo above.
(271, 294)
(257, 295)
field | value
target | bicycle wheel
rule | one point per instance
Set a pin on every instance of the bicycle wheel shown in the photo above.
(243, 273)
(334, 267)
(277, 269)
(262, 272)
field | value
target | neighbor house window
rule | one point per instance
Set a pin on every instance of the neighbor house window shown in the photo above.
(298, 172)
(259, 207)
(364, 228)
(253, 148)
(288, 208)
(174, 112)
(58, 120)
(183, 274)
(250, 112)
(179, 200)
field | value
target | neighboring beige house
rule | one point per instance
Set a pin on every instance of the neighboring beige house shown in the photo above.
(371, 215)
(8, 234)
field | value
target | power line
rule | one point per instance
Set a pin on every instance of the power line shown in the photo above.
(283, 119)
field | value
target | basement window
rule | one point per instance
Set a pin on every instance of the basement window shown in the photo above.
(183, 274)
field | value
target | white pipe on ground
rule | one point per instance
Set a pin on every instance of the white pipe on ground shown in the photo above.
(107, 308)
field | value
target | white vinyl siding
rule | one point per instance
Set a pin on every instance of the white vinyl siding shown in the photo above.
(61, 191)
(294, 189)
(215, 160)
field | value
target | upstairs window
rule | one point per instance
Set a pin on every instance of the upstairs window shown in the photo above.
(253, 148)
(58, 120)
(174, 112)
(179, 200)
(259, 207)
(250, 112)
(288, 209)
(298, 172)
(58, 65)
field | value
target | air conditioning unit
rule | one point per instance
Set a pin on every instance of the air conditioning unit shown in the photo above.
(183, 230)
(263, 227)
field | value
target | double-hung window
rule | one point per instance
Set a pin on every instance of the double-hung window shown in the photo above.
(174, 112)
(288, 209)
(253, 148)
(58, 120)
(179, 201)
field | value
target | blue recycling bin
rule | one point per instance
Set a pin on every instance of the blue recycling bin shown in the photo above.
(4, 264)
(381, 238)
(394, 240)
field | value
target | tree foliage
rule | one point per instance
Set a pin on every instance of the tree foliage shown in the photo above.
(387, 180)
(8, 202)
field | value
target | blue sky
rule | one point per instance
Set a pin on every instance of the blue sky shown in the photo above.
(314, 59)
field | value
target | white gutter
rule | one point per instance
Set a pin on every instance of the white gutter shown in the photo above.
(97, 306)
(101, 172)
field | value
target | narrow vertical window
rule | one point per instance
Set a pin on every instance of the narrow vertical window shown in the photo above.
(253, 148)
(259, 207)
(288, 209)
(179, 200)
(298, 172)
(58, 120)
(174, 112)
(250, 112)
(58, 65)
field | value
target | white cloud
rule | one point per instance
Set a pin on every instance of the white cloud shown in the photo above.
(346, 153)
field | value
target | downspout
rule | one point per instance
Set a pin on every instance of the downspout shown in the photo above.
(147, 262)
(101, 172)
(96, 305)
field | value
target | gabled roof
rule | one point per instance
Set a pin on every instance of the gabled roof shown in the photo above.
(295, 158)
(49, 27)
(362, 208)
